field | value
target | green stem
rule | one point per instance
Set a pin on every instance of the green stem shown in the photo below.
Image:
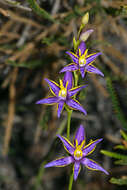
(40, 11)
(71, 181)
(76, 79)
(69, 112)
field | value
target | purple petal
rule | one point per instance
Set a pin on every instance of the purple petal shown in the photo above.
(82, 47)
(76, 169)
(54, 87)
(92, 165)
(88, 149)
(82, 71)
(50, 100)
(68, 77)
(90, 58)
(70, 67)
(67, 145)
(80, 135)
(73, 56)
(74, 104)
(60, 108)
(92, 69)
(73, 91)
(61, 162)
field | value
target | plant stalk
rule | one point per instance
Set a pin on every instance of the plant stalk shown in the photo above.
(71, 181)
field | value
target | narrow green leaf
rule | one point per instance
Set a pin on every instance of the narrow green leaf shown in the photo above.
(39, 176)
(114, 155)
(120, 147)
(123, 134)
(121, 181)
(115, 103)
(40, 11)
(30, 64)
(121, 162)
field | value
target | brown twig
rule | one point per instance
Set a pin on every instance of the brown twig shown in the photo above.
(11, 112)
(15, 4)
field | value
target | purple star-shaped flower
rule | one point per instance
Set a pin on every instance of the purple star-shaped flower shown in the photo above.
(78, 152)
(63, 94)
(82, 61)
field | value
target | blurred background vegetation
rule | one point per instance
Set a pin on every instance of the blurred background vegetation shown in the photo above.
(34, 36)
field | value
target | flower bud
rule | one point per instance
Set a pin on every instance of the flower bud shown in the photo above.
(85, 35)
(85, 19)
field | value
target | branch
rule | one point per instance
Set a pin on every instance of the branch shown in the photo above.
(15, 4)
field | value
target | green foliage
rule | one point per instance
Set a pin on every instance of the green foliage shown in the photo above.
(120, 147)
(38, 180)
(121, 181)
(54, 38)
(40, 11)
(121, 162)
(123, 134)
(114, 155)
(115, 103)
(29, 64)
(122, 159)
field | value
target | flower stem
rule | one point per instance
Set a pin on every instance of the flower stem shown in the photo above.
(71, 181)
(69, 112)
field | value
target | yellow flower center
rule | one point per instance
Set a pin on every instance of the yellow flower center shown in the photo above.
(78, 154)
(63, 90)
(63, 93)
(82, 58)
(82, 61)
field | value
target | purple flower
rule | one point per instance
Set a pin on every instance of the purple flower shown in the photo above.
(82, 61)
(78, 152)
(63, 94)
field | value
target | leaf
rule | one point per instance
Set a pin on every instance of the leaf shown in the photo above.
(114, 155)
(123, 134)
(121, 181)
(30, 64)
(121, 162)
(115, 103)
(120, 147)
(48, 40)
(40, 11)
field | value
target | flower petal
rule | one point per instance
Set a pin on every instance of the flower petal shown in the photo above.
(85, 35)
(80, 135)
(76, 169)
(92, 69)
(54, 87)
(90, 58)
(60, 162)
(67, 144)
(73, 56)
(92, 165)
(75, 90)
(88, 149)
(60, 108)
(50, 100)
(82, 48)
(70, 67)
(68, 77)
(82, 71)
(74, 104)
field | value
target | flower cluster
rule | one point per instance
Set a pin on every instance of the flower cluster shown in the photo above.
(64, 96)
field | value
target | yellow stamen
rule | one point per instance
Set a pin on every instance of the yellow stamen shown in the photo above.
(82, 58)
(82, 61)
(63, 90)
(79, 53)
(78, 151)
